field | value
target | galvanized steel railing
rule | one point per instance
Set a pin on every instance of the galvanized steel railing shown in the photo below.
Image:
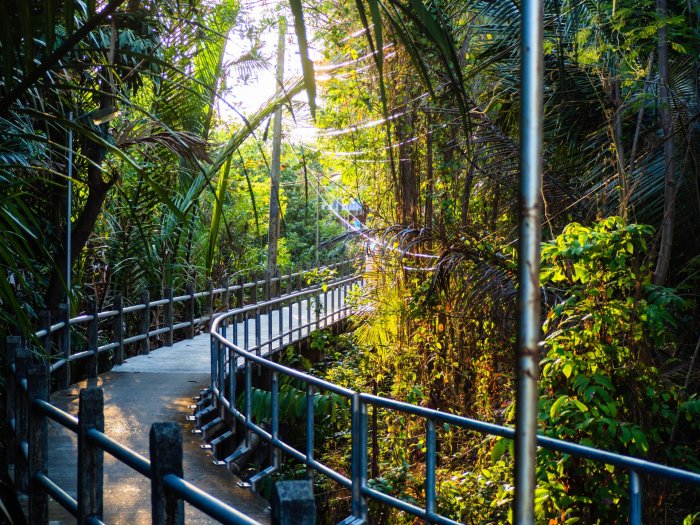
(28, 408)
(228, 357)
(106, 330)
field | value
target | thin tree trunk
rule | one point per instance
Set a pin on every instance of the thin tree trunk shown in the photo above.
(273, 232)
(664, 260)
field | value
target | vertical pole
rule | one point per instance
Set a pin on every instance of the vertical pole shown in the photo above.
(118, 327)
(38, 386)
(189, 310)
(635, 512)
(210, 301)
(90, 457)
(63, 373)
(430, 465)
(273, 232)
(12, 347)
(166, 458)
(145, 323)
(309, 430)
(45, 324)
(359, 457)
(93, 338)
(69, 214)
(531, 126)
(22, 363)
(226, 299)
(168, 316)
(240, 295)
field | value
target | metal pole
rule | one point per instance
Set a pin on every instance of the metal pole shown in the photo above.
(69, 212)
(531, 117)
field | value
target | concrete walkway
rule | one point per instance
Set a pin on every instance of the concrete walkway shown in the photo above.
(160, 387)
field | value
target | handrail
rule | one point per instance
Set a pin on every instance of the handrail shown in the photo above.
(359, 402)
(29, 409)
(116, 339)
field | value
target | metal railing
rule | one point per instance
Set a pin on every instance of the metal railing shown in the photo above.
(107, 330)
(28, 408)
(228, 357)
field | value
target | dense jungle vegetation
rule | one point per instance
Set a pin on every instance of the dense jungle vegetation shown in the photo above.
(417, 109)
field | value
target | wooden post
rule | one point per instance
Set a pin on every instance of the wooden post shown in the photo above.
(240, 296)
(166, 458)
(93, 338)
(145, 323)
(45, 324)
(254, 292)
(22, 363)
(293, 503)
(90, 457)
(168, 316)
(38, 386)
(189, 310)
(210, 301)
(118, 327)
(62, 375)
(12, 346)
(226, 303)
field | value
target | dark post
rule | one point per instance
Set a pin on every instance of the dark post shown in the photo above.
(293, 503)
(145, 323)
(90, 457)
(166, 458)
(38, 383)
(93, 340)
(189, 310)
(290, 283)
(168, 320)
(226, 299)
(254, 294)
(45, 324)
(118, 327)
(210, 301)
(22, 362)
(240, 296)
(62, 375)
(12, 346)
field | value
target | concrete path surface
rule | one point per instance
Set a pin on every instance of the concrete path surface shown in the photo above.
(132, 402)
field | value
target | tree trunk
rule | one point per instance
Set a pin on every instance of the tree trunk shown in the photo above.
(664, 260)
(273, 232)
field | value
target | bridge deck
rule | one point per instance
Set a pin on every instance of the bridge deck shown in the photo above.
(159, 387)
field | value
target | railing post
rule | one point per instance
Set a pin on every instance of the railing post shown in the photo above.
(45, 324)
(90, 457)
(62, 375)
(240, 295)
(38, 386)
(359, 457)
(254, 292)
(93, 338)
(118, 327)
(12, 346)
(168, 316)
(293, 503)
(189, 310)
(145, 323)
(226, 298)
(635, 511)
(210, 301)
(166, 458)
(22, 363)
